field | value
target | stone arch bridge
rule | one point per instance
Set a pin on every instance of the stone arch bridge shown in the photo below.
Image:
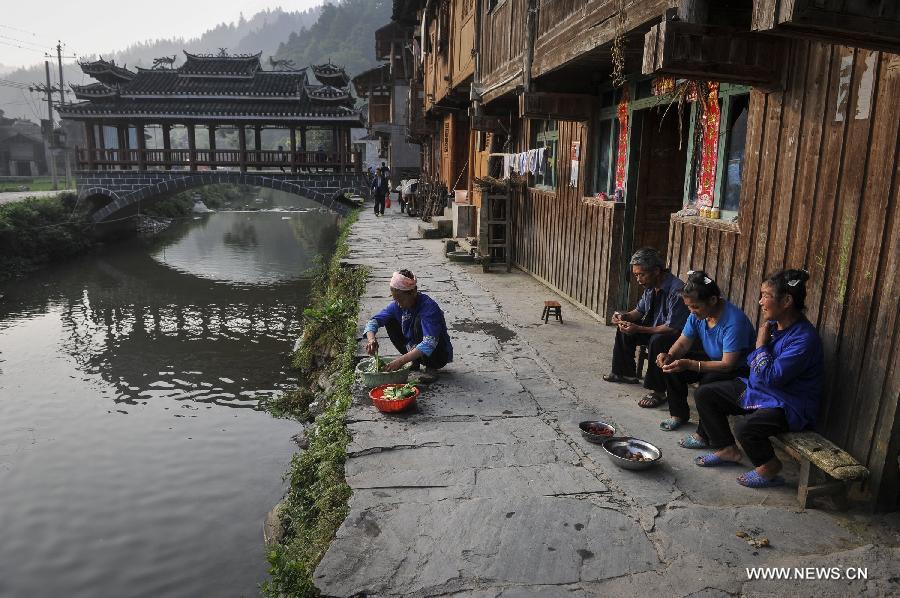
(116, 194)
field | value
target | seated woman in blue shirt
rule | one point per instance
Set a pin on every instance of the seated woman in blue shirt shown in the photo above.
(782, 392)
(726, 336)
(415, 325)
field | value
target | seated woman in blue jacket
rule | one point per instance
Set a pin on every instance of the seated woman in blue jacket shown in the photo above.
(782, 392)
(415, 325)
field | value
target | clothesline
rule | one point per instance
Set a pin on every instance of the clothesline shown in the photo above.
(531, 161)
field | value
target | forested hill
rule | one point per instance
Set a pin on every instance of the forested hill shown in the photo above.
(264, 31)
(344, 34)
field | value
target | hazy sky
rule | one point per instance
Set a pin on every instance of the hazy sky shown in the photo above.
(101, 26)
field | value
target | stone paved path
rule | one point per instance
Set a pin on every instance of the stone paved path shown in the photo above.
(488, 490)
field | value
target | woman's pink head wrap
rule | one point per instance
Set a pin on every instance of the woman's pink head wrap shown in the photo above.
(402, 283)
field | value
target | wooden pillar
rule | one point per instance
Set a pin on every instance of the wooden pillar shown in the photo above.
(141, 147)
(91, 145)
(102, 143)
(212, 146)
(257, 138)
(122, 154)
(167, 146)
(293, 149)
(242, 146)
(192, 146)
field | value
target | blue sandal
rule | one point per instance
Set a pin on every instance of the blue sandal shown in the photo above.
(671, 424)
(690, 442)
(713, 460)
(752, 479)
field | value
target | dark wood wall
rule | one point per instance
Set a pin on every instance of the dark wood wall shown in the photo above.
(819, 191)
(572, 246)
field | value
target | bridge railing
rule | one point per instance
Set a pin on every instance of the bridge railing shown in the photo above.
(206, 159)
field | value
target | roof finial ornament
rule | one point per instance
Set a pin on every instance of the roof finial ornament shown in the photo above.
(283, 64)
(164, 62)
(223, 52)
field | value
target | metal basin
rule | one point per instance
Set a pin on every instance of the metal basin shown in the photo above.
(617, 448)
(590, 436)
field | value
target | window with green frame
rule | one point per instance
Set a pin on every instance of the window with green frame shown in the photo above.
(545, 134)
(606, 144)
(734, 107)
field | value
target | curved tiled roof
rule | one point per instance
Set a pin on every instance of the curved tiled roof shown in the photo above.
(94, 90)
(243, 65)
(330, 74)
(106, 71)
(327, 93)
(158, 82)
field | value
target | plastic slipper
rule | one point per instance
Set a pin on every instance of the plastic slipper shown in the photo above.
(621, 379)
(651, 400)
(671, 424)
(713, 460)
(752, 479)
(690, 442)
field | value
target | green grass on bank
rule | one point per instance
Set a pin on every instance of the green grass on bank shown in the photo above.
(36, 184)
(317, 499)
(38, 231)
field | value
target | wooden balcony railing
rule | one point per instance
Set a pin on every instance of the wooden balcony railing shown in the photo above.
(204, 159)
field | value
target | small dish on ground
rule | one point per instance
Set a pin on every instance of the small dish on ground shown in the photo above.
(632, 453)
(597, 431)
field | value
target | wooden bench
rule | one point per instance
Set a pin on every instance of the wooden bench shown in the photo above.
(641, 358)
(817, 454)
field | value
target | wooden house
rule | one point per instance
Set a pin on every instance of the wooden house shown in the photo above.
(743, 136)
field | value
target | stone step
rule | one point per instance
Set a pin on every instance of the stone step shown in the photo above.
(438, 228)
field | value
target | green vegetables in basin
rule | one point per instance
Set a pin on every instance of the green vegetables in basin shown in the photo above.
(395, 393)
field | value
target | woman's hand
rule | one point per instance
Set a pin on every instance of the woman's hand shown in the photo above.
(372, 346)
(395, 365)
(678, 365)
(763, 335)
(663, 359)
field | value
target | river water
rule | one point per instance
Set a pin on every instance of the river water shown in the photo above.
(133, 458)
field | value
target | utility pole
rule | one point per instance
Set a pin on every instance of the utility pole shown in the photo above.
(48, 89)
(62, 87)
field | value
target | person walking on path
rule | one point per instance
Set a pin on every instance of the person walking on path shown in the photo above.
(726, 336)
(416, 326)
(656, 322)
(782, 392)
(380, 189)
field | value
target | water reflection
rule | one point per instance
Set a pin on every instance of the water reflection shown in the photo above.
(121, 473)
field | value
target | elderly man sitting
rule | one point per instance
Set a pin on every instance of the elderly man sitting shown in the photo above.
(656, 321)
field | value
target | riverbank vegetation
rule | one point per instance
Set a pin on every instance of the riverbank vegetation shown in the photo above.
(38, 231)
(317, 499)
(215, 197)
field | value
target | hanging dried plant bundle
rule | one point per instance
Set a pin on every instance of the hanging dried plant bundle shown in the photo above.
(618, 48)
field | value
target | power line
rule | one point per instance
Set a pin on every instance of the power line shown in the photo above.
(23, 48)
(19, 30)
(22, 41)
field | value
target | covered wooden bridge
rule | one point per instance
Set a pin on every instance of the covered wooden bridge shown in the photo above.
(215, 112)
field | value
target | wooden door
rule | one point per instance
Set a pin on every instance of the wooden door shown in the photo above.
(660, 183)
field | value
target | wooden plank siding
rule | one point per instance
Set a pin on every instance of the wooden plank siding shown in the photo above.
(819, 190)
(571, 246)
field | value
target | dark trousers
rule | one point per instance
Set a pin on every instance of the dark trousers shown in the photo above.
(436, 360)
(677, 388)
(717, 400)
(623, 356)
(379, 203)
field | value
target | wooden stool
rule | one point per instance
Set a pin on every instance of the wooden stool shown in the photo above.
(552, 308)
